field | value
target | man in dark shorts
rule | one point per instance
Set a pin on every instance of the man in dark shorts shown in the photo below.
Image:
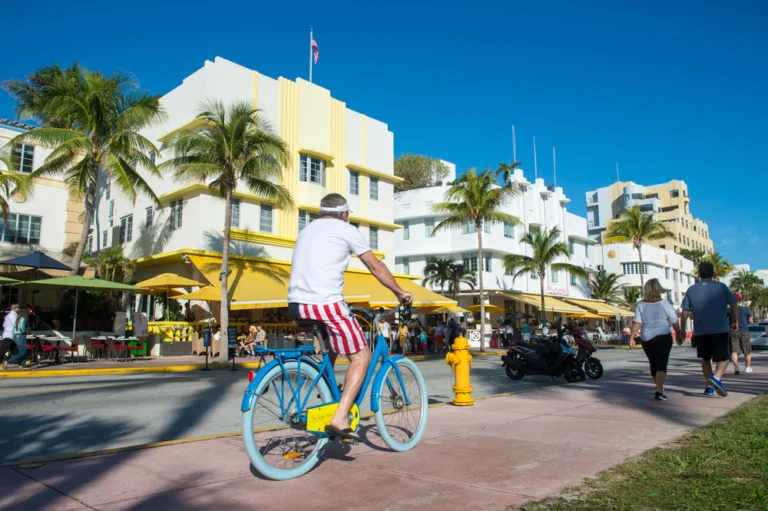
(741, 342)
(709, 299)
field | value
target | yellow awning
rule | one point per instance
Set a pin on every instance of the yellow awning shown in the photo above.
(551, 304)
(584, 315)
(600, 307)
(264, 284)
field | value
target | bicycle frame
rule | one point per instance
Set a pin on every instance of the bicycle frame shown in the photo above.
(325, 370)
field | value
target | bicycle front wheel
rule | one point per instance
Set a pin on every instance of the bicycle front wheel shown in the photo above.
(402, 414)
(274, 429)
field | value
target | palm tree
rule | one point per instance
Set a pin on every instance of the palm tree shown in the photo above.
(235, 145)
(507, 170)
(631, 297)
(721, 265)
(747, 284)
(11, 182)
(546, 248)
(102, 117)
(638, 228)
(459, 274)
(437, 272)
(606, 286)
(761, 302)
(38, 90)
(471, 201)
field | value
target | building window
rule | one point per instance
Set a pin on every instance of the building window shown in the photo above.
(534, 275)
(470, 261)
(111, 208)
(487, 262)
(429, 227)
(24, 157)
(89, 245)
(573, 279)
(373, 237)
(669, 296)
(406, 266)
(22, 229)
(509, 230)
(126, 229)
(571, 247)
(177, 212)
(373, 183)
(354, 183)
(150, 216)
(312, 170)
(634, 268)
(305, 217)
(666, 273)
(555, 277)
(108, 189)
(674, 274)
(406, 230)
(104, 239)
(600, 267)
(681, 277)
(487, 227)
(468, 228)
(235, 213)
(645, 268)
(677, 297)
(265, 219)
(688, 279)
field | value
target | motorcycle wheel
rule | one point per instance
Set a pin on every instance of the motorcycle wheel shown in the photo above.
(514, 374)
(574, 373)
(593, 368)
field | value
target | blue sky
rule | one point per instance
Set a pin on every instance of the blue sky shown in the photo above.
(667, 89)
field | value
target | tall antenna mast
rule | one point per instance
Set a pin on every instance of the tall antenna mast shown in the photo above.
(535, 167)
(514, 145)
(554, 164)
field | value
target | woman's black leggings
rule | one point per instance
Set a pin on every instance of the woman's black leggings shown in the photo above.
(657, 350)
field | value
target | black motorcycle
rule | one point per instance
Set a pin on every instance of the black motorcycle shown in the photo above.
(546, 356)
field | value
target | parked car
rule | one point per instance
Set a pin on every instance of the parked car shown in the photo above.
(758, 335)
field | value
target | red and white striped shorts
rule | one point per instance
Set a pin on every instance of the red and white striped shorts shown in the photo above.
(344, 333)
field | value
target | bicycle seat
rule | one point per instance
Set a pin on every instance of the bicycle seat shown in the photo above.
(311, 325)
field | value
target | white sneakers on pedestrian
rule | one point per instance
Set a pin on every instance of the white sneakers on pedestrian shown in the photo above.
(748, 370)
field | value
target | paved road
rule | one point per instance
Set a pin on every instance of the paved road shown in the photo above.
(52, 416)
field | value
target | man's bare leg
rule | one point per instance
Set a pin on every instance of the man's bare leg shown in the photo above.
(353, 380)
(720, 368)
(706, 369)
(748, 360)
(735, 358)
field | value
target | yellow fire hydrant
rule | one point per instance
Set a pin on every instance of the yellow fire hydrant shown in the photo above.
(461, 363)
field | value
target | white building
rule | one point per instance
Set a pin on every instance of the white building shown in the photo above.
(675, 273)
(535, 207)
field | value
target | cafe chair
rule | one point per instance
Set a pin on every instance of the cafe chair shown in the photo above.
(72, 351)
(93, 347)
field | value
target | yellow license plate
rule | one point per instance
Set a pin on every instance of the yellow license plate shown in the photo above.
(318, 417)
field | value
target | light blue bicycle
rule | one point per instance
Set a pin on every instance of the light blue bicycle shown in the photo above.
(286, 404)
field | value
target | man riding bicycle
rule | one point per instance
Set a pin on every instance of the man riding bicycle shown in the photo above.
(315, 291)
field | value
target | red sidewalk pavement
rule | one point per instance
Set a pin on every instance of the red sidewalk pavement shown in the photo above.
(503, 451)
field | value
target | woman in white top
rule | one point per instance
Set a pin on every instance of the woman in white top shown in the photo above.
(653, 317)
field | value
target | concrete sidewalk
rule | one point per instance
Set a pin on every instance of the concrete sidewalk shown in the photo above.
(503, 451)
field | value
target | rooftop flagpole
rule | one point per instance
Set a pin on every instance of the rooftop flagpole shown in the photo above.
(311, 52)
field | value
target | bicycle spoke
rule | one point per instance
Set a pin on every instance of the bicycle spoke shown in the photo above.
(402, 419)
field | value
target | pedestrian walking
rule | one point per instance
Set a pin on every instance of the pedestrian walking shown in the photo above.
(20, 339)
(527, 331)
(403, 338)
(439, 337)
(383, 327)
(509, 334)
(9, 324)
(453, 331)
(741, 343)
(423, 339)
(653, 317)
(708, 300)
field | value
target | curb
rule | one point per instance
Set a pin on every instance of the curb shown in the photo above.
(218, 366)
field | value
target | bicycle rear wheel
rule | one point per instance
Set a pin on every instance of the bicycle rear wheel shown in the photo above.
(402, 422)
(274, 434)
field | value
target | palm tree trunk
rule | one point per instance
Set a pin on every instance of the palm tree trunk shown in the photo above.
(541, 287)
(90, 200)
(480, 285)
(640, 257)
(224, 319)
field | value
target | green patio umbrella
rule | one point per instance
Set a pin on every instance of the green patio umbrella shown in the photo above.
(77, 283)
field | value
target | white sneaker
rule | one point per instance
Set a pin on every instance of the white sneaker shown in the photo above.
(748, 370)
(736, 369)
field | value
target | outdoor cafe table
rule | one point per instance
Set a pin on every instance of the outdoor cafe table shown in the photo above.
(125, 341)
(58, 341)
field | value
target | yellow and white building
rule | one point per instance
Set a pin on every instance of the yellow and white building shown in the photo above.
(670, 202)
(332, 149)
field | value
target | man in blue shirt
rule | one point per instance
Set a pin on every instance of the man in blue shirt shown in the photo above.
(708, 300)
(740, 340)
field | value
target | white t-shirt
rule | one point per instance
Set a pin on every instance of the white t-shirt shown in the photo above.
(8, 324)
(384, 329)
(654, 318)
(509, 330)
(322, 254)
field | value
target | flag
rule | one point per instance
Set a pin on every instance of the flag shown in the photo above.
(316, 50)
